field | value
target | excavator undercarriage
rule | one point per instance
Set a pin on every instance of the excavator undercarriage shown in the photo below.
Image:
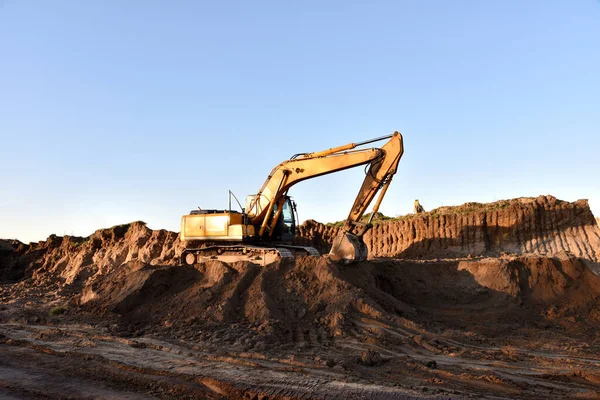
(261, 255)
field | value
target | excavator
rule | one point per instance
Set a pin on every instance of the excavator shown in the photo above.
(264, 231)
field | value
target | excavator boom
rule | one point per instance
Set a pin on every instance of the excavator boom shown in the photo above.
(293, 171)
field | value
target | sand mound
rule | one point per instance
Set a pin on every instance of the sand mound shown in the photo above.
(321, 300)
(133, 272)
(73, 260)
(541, 226)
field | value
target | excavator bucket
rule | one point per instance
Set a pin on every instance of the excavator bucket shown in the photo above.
(348, 248)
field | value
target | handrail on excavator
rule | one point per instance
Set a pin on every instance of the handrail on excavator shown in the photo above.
(348, 146)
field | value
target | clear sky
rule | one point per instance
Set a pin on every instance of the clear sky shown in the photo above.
(114, 111)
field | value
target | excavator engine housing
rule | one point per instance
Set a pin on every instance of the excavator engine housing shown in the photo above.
(215, 225)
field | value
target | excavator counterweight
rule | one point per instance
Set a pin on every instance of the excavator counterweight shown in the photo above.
(264, 230)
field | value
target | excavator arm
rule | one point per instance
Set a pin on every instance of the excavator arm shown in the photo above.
(349, 246)
(379, 176)
(383, 163)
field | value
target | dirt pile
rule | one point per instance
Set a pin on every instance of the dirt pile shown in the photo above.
(280, 299)
(133, 271)
(73, 260)
(542, 225)
(316, 301)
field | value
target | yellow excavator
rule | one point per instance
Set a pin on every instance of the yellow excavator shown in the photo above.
(264, 230)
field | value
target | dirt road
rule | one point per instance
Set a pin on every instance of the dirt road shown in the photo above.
(77, 361)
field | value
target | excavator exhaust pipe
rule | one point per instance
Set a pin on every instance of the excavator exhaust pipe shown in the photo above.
(348, 248)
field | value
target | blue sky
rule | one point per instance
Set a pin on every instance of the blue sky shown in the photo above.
(117, 111)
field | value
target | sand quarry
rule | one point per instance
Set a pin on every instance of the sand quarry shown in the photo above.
(495, 300)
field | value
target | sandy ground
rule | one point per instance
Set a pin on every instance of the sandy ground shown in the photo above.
(478, 350)
(75, 361)
(115, 315)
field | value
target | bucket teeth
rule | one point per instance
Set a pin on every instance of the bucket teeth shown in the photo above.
(348, 248)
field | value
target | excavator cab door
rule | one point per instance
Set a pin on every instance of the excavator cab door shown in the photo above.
(286, 226)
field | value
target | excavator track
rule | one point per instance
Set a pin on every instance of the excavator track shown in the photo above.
(254, 254)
